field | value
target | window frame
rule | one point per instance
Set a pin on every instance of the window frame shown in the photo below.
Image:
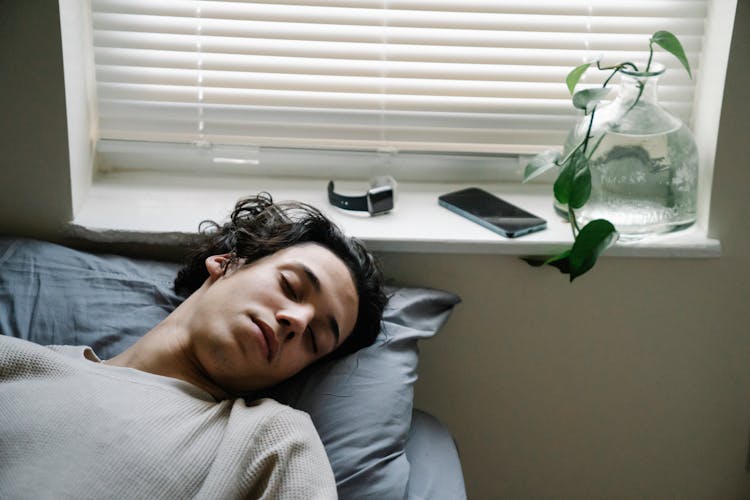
(79, 83)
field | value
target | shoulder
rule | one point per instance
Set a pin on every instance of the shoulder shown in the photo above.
(8, 343)
(273, 413)
(20, 354)
(271, 451)
(275, 425)
(14, 345)
(20, 358)
(271, 406)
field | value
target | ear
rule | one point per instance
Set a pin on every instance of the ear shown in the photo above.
(217, 265)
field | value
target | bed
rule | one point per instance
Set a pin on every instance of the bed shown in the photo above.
(52, 294)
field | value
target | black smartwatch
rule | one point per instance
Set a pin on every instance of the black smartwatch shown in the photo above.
(378, 200)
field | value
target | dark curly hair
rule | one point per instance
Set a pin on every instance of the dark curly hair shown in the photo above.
(259, 227)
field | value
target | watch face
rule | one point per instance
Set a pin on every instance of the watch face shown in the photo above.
(380, 200)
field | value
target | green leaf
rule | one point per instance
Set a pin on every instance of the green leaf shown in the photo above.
(594, 238)
(540, 164)
(533, 261)
(559, 261)
(575, 75)
(564, 183)
(671, 44)
(587, 99)
(573, 185)
(581, 187)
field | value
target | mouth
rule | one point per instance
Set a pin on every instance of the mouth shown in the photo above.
(270, 337)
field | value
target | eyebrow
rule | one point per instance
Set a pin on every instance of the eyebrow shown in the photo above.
(315, 282)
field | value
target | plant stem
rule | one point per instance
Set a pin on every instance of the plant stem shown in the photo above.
(567, 157)
(641, 87)
(617, 66)
(616, 70)
(650, 54)
(573, 222)
(596, 146)
(588, 132)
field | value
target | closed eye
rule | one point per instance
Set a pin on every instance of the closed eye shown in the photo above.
(312, 339)
(288, 288)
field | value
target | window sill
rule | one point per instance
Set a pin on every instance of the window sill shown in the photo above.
(148, 207)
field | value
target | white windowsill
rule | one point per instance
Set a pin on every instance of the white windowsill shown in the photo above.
(165, 208)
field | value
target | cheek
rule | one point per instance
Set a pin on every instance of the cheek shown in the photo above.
(292, 363)
(218, 360)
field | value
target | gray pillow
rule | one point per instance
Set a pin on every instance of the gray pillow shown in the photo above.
(360, 404)
(51, 294)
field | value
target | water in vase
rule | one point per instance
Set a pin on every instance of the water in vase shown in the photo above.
(644, 184)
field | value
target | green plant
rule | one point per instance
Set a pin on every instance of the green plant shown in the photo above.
(573, 185)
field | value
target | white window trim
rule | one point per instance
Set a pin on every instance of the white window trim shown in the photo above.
(157, 207)
(163, 207)
(709, 97)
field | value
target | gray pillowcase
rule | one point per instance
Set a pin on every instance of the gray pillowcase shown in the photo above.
(361, 404)
(51, 294)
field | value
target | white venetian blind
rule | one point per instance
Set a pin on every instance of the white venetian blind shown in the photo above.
(406, 75)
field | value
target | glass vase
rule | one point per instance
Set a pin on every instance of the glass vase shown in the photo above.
(643, 161)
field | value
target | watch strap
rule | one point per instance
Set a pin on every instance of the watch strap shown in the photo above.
(346, 202)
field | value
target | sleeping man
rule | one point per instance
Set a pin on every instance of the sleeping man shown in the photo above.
(272, 291)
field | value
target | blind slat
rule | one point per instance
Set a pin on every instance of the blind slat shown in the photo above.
(243, 9)
(529, 61)
(407, 74)
(138, 69)
(484, 35)
(221, 85)
(518, 39)
(632, 8)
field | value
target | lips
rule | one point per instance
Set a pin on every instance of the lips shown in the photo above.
(270, 338)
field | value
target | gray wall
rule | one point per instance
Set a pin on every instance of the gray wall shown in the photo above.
(34, 179)
(634, 382)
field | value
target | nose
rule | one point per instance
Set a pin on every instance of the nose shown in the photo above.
(294, 319)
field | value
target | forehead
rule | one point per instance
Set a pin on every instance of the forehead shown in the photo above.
(311, 254)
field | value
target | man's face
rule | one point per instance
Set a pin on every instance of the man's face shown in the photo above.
(258, 324)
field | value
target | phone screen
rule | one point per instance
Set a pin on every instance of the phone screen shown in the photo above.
(492, 212)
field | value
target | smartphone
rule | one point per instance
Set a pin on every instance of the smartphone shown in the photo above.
(494, 213)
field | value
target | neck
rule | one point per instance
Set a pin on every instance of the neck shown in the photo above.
(165, 350)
